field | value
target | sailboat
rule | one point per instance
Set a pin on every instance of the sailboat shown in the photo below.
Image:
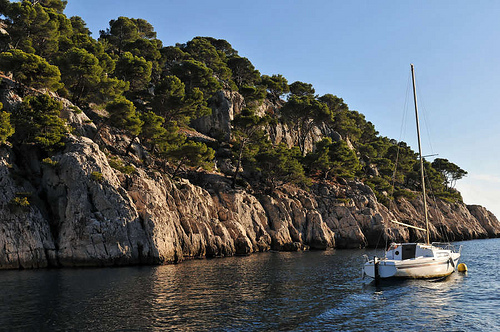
(415, 260)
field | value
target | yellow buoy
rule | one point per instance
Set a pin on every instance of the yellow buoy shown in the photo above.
(462, 267)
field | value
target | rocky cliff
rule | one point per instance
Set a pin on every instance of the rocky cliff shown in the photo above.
(75, 209)
(77, 218)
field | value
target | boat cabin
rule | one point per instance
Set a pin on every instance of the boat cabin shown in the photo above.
(402, 251)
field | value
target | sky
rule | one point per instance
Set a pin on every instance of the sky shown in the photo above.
(361, 50)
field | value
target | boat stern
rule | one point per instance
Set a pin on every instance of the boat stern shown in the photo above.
(379, 268)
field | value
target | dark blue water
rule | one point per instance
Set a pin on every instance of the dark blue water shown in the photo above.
(305, 291)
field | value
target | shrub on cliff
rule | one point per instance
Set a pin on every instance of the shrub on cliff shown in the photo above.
(6, 129)
(37, 121)
(194, 154)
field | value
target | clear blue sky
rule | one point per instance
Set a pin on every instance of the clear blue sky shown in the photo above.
(361, 51)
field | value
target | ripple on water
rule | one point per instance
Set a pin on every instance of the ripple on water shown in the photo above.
(304, 291)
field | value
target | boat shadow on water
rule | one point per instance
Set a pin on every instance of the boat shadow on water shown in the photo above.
(442, 284)
(390, 283)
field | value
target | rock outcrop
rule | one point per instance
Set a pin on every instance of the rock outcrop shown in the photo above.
(226, 105)
(25, 236)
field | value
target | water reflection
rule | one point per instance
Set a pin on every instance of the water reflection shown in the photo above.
(305, 291)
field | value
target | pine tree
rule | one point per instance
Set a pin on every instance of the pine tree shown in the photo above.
(279, 164)
(80, 72)
(303, 112)
(30, 70)
(194, 154)
(248, 129)
(37, 121)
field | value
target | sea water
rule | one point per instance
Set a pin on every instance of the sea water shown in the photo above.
(274, 291)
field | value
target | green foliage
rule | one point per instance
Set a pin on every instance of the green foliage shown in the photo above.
(450, 171)
(137, 37)
(48, 161)
(109, 88)
(254, 95)
(451, 196)
(30, 69)
(37, 121)
(276, 86)
(202, 50)
(96, 176)
(405, 193)
(117, 164)
(125, 31)
(150, 51)
(222, 46)
(6, 129)
(279, 164)
(301, 89)
(81, 72)
(173, 103)
(390, 155)
(152, 129)
(381, 187)
(334, 103)
(122, 114)
(349, 124)
(435, 181)
(135, 70)
(248, 129)
(194, 154)
(333, 157)
(32, 27)
(45, 49)
(76, 110)
(302, 113)
(174, 55)
(79, 26)
(120, 32)
(170, 139)
(194, 74)
(243, 72)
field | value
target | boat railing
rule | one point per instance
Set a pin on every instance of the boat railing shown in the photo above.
(447, 246)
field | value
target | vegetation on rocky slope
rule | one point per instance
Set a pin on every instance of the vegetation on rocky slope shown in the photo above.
(154, 92)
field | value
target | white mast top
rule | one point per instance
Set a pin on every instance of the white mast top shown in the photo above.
(420, 154)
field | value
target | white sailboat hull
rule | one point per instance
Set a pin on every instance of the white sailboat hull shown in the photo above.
(420, 267)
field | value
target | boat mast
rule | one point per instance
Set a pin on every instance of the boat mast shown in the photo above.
(420, 154)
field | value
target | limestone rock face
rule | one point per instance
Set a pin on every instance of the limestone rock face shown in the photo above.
(295, 223)
(25, 236)
(94, 220)
(226, 104)
(486, 219)
(79, 121)
(82, 212)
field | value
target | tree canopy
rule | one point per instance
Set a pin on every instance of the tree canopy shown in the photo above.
(154, 92)
(37, 121)
(302, 112)
(30, 69)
